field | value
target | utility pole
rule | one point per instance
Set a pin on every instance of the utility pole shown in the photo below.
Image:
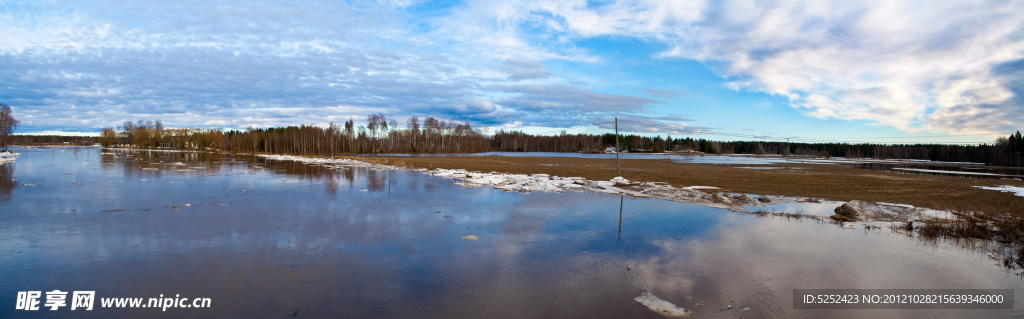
(617, 167)
(787, 150)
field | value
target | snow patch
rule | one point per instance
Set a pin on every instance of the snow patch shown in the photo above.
(1019, 191)
(319, 161)
(511, 182)
(896, 205)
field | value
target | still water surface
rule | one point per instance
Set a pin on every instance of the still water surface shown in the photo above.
(272, 239)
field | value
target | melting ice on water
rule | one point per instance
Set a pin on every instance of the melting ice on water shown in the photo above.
(661, 306)
(8, 157)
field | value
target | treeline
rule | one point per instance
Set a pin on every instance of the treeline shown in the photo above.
(430, 135)
(1009, 151)
(379, 136)
(151, 134)
(1006, 151)
(516, 141)
(51, 140)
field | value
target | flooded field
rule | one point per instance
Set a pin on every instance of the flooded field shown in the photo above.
(268, 238)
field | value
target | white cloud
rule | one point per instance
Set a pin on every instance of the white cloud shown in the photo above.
(525, 70)
(907, 64)
(561, 98)
(96, 93)
(481, 105)
(912, 65)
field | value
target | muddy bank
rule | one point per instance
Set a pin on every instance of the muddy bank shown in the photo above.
(831, 182)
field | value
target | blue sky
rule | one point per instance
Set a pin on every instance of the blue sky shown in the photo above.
(874, 71)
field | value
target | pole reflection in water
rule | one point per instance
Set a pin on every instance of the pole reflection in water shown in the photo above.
(621, 197)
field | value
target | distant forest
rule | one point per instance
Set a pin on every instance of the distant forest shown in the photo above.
(51, 140)
(430, 135)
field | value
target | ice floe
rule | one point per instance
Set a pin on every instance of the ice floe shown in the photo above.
(660, 306)
(162, 150)
(1019, 191)
(8, 157)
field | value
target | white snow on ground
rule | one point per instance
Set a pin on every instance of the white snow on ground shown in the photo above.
(512, 182)
(1019, 191)
(934, 213)
(8, 157)
(329, 162)
(700, 187)
(660, 306)
(897, 205)
(881, 211)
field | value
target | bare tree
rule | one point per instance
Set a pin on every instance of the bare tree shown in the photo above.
(414, 132)
(7, 124)
(350, 134)
(373, 122)
(129, 129)
(108, 137)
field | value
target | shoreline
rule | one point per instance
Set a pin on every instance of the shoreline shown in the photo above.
(798, 180)
(830, 182)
